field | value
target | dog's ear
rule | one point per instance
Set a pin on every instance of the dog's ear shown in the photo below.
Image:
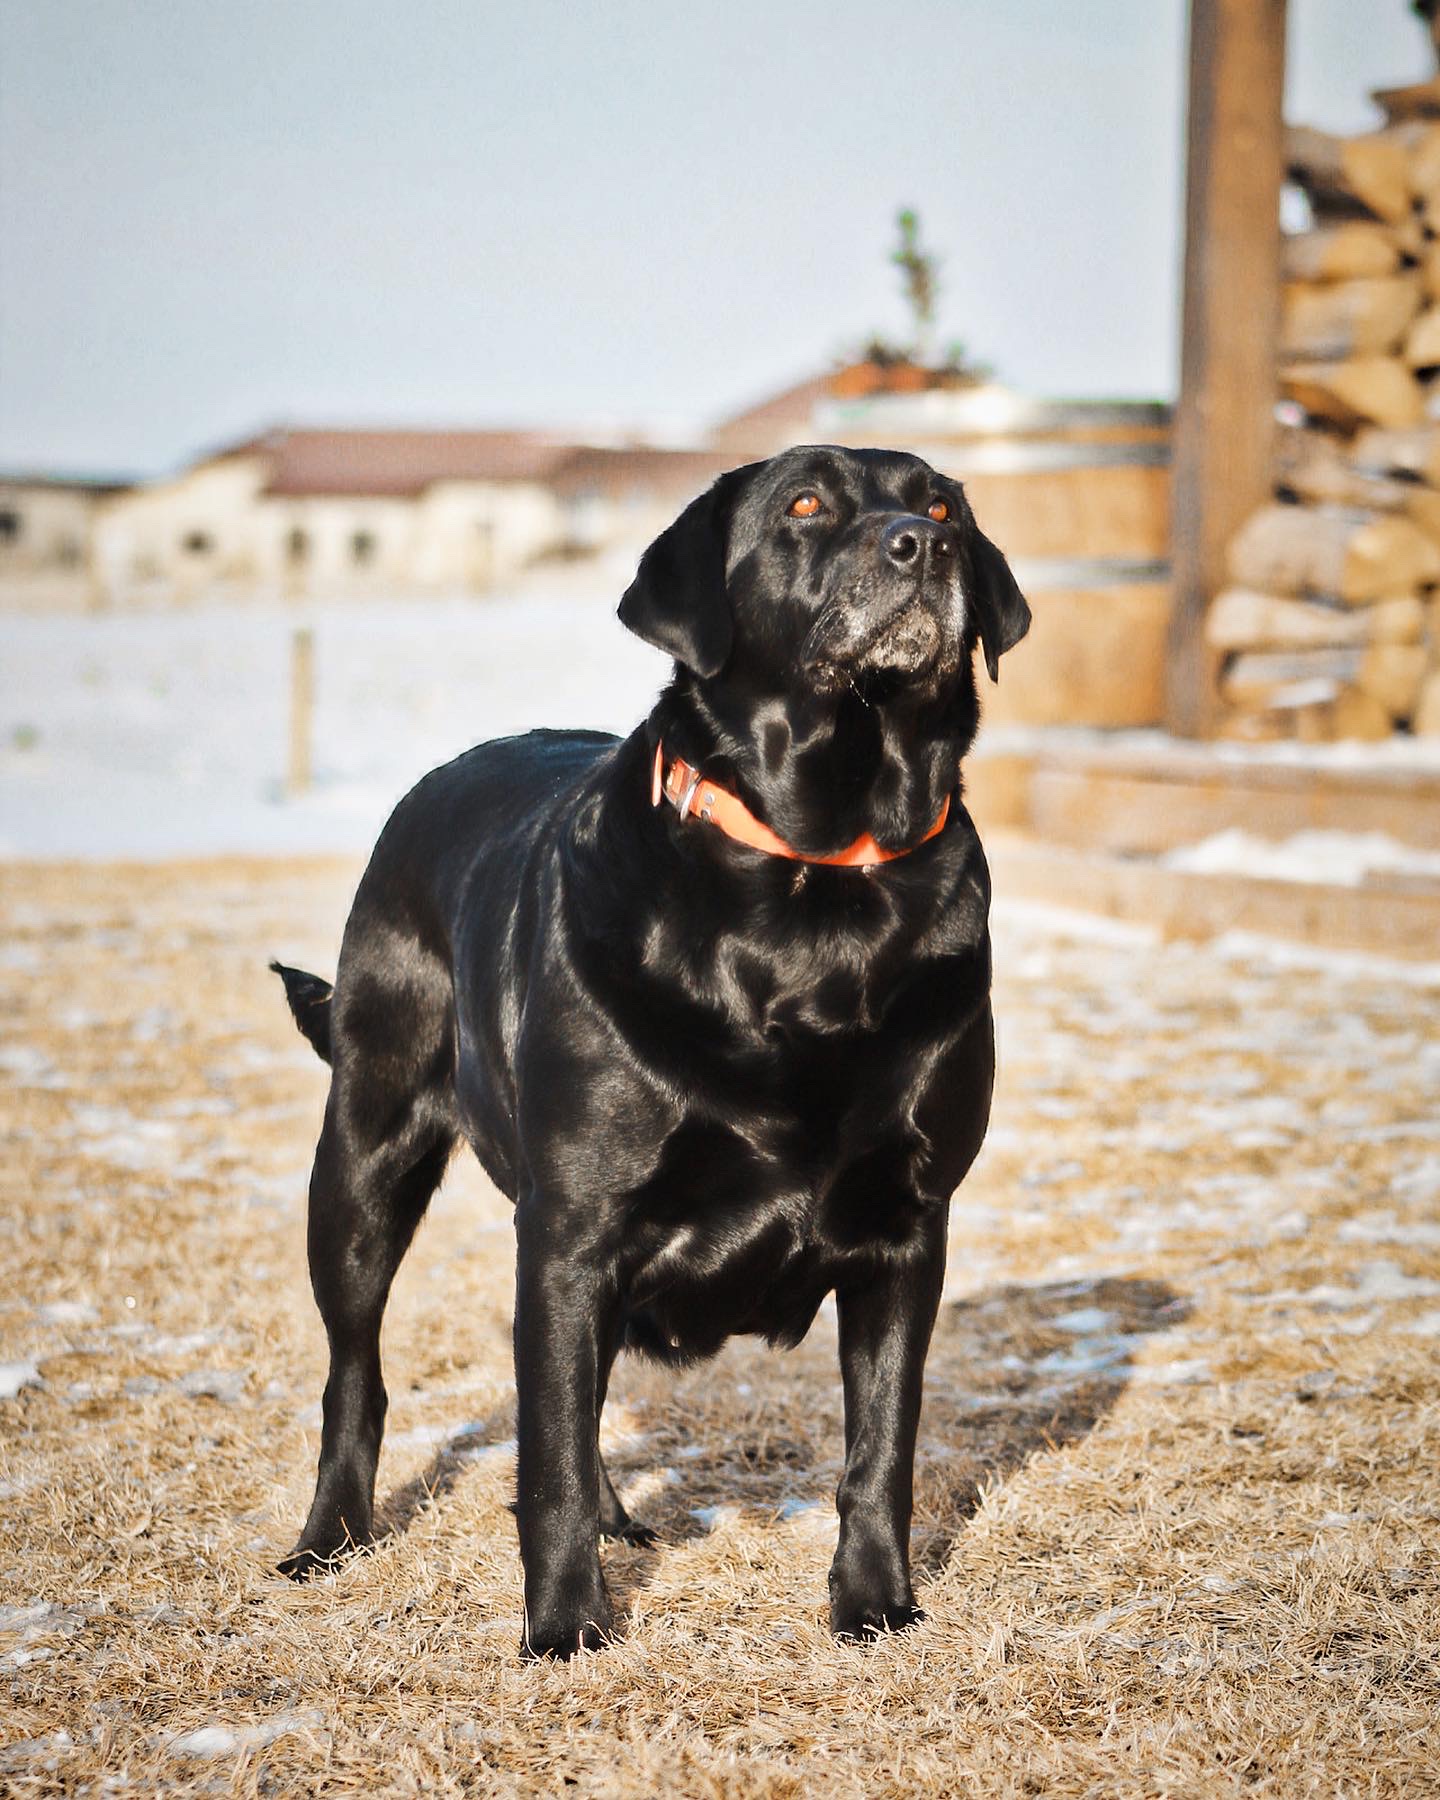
(1000, 609)
(678, 600)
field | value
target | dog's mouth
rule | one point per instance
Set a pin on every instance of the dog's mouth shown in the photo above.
(874, 650)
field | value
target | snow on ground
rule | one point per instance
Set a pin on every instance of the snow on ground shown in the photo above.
(1397, 752)
(1342, 858)
(1181, 1407)
(165, 733)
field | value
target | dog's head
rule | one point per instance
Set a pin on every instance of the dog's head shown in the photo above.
(832, 570)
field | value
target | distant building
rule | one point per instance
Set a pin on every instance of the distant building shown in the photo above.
(314, 514)
(319, 513)
(47, 526)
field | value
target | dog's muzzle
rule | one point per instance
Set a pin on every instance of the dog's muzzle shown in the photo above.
(893, 626)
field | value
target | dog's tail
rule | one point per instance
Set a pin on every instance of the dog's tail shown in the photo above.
(309, 999)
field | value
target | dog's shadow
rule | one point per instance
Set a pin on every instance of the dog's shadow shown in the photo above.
(1014, 1371)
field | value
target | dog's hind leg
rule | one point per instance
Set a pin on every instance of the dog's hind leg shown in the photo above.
(366, 1200)
(615, 1522)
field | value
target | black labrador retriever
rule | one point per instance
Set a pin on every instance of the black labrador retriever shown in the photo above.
(711, 1004)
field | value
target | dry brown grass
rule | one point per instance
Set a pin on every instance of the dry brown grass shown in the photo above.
(1178, 1527)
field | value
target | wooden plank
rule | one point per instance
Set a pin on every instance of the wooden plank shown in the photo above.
(1368, 174)
(1354, 247)
(1368, 317)
(1129, 812)
(1224, 424)
(1361, 390)
(1384, 918)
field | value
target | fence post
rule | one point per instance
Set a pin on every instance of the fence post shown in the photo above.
(1224, 427)
(302, 708)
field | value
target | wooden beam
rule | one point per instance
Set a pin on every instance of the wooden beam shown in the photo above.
(1225, 422)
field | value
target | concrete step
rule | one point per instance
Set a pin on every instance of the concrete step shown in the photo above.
(1396, 917)
(1140, 794)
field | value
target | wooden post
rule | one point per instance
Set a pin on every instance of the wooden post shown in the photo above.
(1225, 423)
(302, 708)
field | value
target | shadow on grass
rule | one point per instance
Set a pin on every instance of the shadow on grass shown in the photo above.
(1014, 1371)
(491, 1436)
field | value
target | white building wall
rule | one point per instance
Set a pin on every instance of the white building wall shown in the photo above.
(46, 532)
(179, 539)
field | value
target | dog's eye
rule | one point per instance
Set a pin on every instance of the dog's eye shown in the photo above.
(804, 506)
(939, 511)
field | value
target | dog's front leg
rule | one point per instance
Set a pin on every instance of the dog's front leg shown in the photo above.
(885, 1326)
(562, 1319)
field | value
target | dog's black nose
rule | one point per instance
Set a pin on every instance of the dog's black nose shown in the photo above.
(910, 541)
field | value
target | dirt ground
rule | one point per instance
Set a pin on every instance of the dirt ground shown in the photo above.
(1178, 1520)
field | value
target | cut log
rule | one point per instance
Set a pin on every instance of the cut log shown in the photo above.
(1256, 727)
(1352, 715)
(1349, 318)
(1413, 454)
(1313, 465)
(1365, 390)
(1422, 508)
(1242, 619)
(1419, 100)
(1422, 146)
(1356, 714)
(1430, 269)
(1328, 550)
(1368, 174)
(1426, 719)
(1273, 679)
(1342, 252)
(1393, 674)
(1422, 342)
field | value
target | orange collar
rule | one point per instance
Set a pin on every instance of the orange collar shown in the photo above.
(689, 793)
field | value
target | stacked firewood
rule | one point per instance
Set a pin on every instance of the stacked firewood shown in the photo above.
(1331, 627)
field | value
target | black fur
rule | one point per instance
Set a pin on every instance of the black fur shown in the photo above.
(309, 998)
(718, 1084)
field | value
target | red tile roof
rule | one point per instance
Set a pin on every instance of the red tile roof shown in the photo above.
(399, 463)
(640, 469)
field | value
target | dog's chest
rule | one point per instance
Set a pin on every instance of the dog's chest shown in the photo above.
(747, 1231)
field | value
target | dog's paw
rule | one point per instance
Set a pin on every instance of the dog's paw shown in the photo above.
(319, 1557)
(562, 1640)
(863, 1624)
(630, 1532)
(303, 1562)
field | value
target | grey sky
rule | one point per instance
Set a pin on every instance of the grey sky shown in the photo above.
(218, 213)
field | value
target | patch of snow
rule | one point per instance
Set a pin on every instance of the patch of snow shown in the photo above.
(1381, 1280)
(1183, 1372)
(1089, 1356)
(66, 1312)
(1357, 965)
(225, 1385)
(1421, 1182)
(231, 1740)
(180, 747)
(1043, 917)
(1387, 1228)
(1091, 1320)
(17, 1375)
(1144, 745)
(1337, 858)
(26, 1063)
